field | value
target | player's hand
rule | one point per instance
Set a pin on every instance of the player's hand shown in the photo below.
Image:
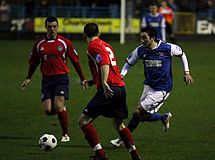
(84, 84)
(188, 79)
(107, 91)
(25, 83)
(90, 82)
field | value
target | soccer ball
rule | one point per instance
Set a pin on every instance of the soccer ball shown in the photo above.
(47, 142)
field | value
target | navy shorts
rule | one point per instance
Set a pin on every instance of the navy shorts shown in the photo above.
(113, 107)
(57, 85)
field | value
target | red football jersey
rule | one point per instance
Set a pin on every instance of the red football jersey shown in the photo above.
(101, 53)
(52, 54)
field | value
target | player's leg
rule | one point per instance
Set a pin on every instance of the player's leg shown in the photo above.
(94, 109)
(48, 107)
(126, 137)
(151, 103)
(137, 116)
(47, 99)
(62, 116)
(91, 135)
(60, 91)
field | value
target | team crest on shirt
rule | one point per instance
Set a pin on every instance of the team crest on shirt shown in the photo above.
(98, 58)
(60, 48)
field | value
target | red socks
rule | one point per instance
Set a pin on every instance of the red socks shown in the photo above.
(63, 118)
(127, 139)
(92, 137)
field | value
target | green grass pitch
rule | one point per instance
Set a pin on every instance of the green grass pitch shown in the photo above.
(192, 132)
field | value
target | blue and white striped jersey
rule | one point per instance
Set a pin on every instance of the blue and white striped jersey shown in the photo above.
(157, 64)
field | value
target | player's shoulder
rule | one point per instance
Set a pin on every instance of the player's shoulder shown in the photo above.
(139, 51)
(63, 38)
(173, 47)
(39, 41)
(98, 44)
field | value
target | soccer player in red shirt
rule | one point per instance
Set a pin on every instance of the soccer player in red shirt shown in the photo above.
(110, 98)
(51, 52)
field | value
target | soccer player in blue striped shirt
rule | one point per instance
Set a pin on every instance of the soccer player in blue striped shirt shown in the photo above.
(157, 59)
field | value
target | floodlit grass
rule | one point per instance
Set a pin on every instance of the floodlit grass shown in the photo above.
(192, 132)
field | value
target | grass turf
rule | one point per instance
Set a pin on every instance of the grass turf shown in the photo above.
(191, 135)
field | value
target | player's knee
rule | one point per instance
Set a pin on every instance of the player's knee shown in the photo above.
(83, 120)
(59, 107)
(118, 124)
(140, 114)
(144, 115)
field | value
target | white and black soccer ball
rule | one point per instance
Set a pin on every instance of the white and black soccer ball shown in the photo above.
(47, 142)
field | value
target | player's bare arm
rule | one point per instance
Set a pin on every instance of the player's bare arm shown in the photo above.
(187, 76)
(104, 76)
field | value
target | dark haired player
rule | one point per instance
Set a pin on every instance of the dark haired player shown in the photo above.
(157, 60)
(51, 52)
(110, 98)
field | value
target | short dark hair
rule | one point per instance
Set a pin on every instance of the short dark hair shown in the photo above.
(150, 30)
(51, 19)
(153, 3)
(91, 30)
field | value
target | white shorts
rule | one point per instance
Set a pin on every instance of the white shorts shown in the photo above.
(151, 100)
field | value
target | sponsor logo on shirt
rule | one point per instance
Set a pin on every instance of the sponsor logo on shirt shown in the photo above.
(153, 63)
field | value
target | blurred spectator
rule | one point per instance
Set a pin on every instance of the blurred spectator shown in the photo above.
(44, 9)
(168, 14)
(211, 10)
(156, 20)
(211, 4)
(113, 8)
(172, 5)
(4, 15)
(29, 8)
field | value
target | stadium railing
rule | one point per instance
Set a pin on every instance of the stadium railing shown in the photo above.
(19, 11)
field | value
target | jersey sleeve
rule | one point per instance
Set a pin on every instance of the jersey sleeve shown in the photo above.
(102, 55)
(34, 61)
(133, 57)
(176, 50)
(71, 52)
(73, 56)
(34, 57)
